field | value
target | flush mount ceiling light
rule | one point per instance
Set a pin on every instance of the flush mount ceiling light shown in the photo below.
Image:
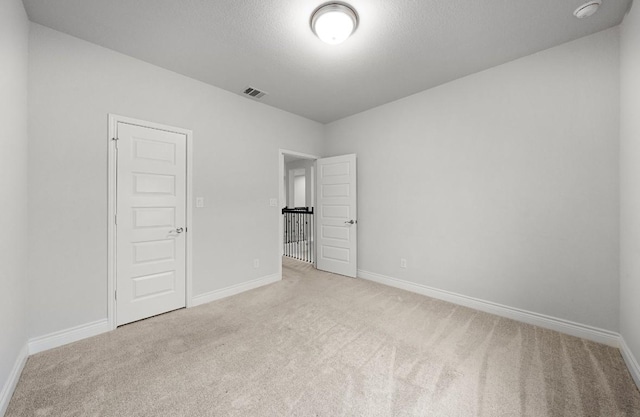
(587, 9)
(334, 22)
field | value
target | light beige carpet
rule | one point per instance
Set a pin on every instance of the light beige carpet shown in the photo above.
(318, 344)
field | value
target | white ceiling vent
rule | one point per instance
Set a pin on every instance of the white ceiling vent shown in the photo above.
(254, 93)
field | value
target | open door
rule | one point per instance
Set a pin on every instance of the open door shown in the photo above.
(337, 235)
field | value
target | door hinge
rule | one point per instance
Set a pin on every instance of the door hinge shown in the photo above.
(115, 140)
(115, 219)
(115, 295)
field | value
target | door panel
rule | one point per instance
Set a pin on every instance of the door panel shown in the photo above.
(337, 223)
(151, 210)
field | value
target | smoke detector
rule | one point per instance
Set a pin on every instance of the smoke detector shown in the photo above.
(587, 9)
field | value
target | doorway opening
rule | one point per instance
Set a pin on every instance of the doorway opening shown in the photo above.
(318, 221)
(297, 203)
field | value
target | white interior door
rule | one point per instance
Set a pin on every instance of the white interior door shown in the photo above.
(150, 222)
(337, 215)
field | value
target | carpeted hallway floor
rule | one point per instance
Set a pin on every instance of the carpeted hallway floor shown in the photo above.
(317, 344)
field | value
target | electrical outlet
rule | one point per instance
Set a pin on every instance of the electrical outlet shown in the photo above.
(273, 202)
(199, 202)
(403, 263)
(256, 263)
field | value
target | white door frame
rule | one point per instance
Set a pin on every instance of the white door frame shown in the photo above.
(114, 119)
(282, 198)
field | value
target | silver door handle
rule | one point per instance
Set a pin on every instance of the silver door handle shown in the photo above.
(178, 230)
(350, 222)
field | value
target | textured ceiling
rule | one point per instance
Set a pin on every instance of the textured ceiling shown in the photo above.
(401, 46)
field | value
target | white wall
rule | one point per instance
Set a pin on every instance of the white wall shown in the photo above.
(14, 36)
(502, 185)
(630, 181)
(307, 165)
(299, 190)
(73, 86)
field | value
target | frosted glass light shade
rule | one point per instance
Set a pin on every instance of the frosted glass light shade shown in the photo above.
(333, 23)
(587, 9)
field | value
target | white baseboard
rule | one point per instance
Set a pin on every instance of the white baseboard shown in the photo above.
(632, 362)
(564, 326)
(62, 337)
(12, 381)
(234, 289)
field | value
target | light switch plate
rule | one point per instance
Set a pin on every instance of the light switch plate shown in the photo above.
(199, 202)
(273, 202)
